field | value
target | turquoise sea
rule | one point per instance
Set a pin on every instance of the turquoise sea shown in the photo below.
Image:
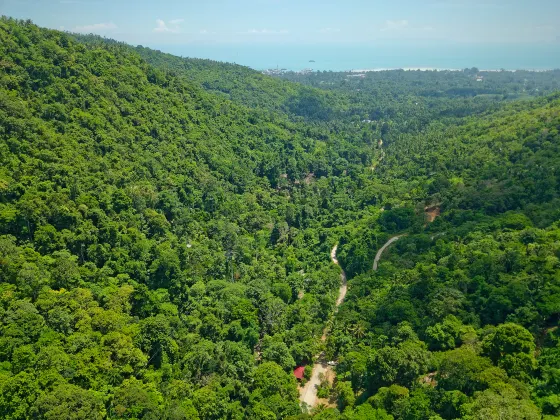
(355, 57)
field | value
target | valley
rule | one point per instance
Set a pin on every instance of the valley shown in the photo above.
(178, 235)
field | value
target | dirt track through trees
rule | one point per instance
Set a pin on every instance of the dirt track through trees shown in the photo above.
(308, 394)
(382, 249)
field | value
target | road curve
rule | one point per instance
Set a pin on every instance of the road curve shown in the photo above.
(308, 394)
(343, 284)
(382, 249)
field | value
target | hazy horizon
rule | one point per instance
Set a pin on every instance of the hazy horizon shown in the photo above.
(512, 34)
(359, 57)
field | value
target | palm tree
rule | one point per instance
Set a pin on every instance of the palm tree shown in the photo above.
(358, 330)
(318, 408)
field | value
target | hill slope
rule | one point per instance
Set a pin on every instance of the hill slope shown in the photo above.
(241, 84)
(152, 236)
(165, 229)
(461, 320)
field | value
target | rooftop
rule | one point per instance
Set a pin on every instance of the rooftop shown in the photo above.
(298, 372)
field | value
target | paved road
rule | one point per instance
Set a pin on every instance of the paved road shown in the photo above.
(308, 394)
(383, 248)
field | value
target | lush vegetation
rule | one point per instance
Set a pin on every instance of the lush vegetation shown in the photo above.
(461, 320)
(153, 237)
(166, 224)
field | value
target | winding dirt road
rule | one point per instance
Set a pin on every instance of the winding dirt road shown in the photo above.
(382, 249)
(308, 394)
(343, 284)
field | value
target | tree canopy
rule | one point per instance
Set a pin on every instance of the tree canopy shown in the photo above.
(166, 226)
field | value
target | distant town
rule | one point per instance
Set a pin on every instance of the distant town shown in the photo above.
(278, 71)
(363, 72)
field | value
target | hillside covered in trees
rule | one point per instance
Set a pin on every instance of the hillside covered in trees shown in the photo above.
(166, 225)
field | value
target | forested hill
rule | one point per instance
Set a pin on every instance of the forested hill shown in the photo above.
(241, 84)
(153, 235)
(252, 88)
(409, 101)
(461, 319)
(166, 224)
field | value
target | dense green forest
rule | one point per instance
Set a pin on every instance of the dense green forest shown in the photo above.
(166, 224)
(461, 321)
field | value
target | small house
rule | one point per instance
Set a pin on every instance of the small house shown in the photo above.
(299, 372)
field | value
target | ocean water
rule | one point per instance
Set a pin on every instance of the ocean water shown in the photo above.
(356, 57)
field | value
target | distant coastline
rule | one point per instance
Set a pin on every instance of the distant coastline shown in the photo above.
(402, 68)
(362, 72)
(444, 69)
(362, 58)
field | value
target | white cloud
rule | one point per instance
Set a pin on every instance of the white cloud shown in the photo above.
(161, 26)
(266, 32)
(95, 28)
(395, 25)
(329, 30)
(173, 26)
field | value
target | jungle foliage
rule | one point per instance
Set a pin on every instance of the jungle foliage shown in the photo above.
(166, 224)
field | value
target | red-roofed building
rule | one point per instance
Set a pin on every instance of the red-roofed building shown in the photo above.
(298, 372)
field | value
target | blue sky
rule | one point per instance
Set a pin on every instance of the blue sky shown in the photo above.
(301, 22)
